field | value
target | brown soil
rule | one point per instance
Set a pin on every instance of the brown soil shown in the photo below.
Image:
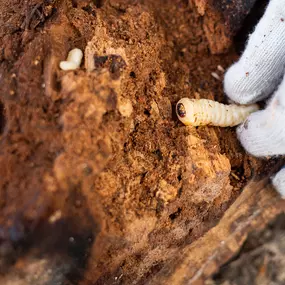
(100, 183)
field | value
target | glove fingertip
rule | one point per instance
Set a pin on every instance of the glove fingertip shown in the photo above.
(237, 84)
(248, 136)
(278, 182)
(230, 86)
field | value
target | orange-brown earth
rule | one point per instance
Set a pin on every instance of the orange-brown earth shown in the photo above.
(100, 183)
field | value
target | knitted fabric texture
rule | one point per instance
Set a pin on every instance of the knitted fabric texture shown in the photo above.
(258, 74)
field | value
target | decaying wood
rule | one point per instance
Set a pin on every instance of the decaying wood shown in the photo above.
(258, 204)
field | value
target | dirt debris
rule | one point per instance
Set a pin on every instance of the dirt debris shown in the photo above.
(102, 144)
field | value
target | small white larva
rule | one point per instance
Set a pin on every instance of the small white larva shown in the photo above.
(202, 112)
(73, 60)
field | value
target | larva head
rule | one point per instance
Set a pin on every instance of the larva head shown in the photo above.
(185, 111)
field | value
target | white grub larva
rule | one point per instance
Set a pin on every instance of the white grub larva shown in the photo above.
(202, 112)
(73, 60)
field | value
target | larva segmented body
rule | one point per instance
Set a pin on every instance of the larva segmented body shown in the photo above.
(202, 112)
(73, 60)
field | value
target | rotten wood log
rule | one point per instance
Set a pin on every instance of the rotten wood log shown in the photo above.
(258, 204)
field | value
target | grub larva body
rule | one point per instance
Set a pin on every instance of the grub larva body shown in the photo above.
(73, 60)
(202, 112)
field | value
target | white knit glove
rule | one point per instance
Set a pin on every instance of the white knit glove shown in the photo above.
(256, 76)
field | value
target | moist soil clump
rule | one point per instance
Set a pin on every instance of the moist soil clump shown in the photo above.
(100, 182)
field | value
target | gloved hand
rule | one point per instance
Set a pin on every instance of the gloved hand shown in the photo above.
(258, 74)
